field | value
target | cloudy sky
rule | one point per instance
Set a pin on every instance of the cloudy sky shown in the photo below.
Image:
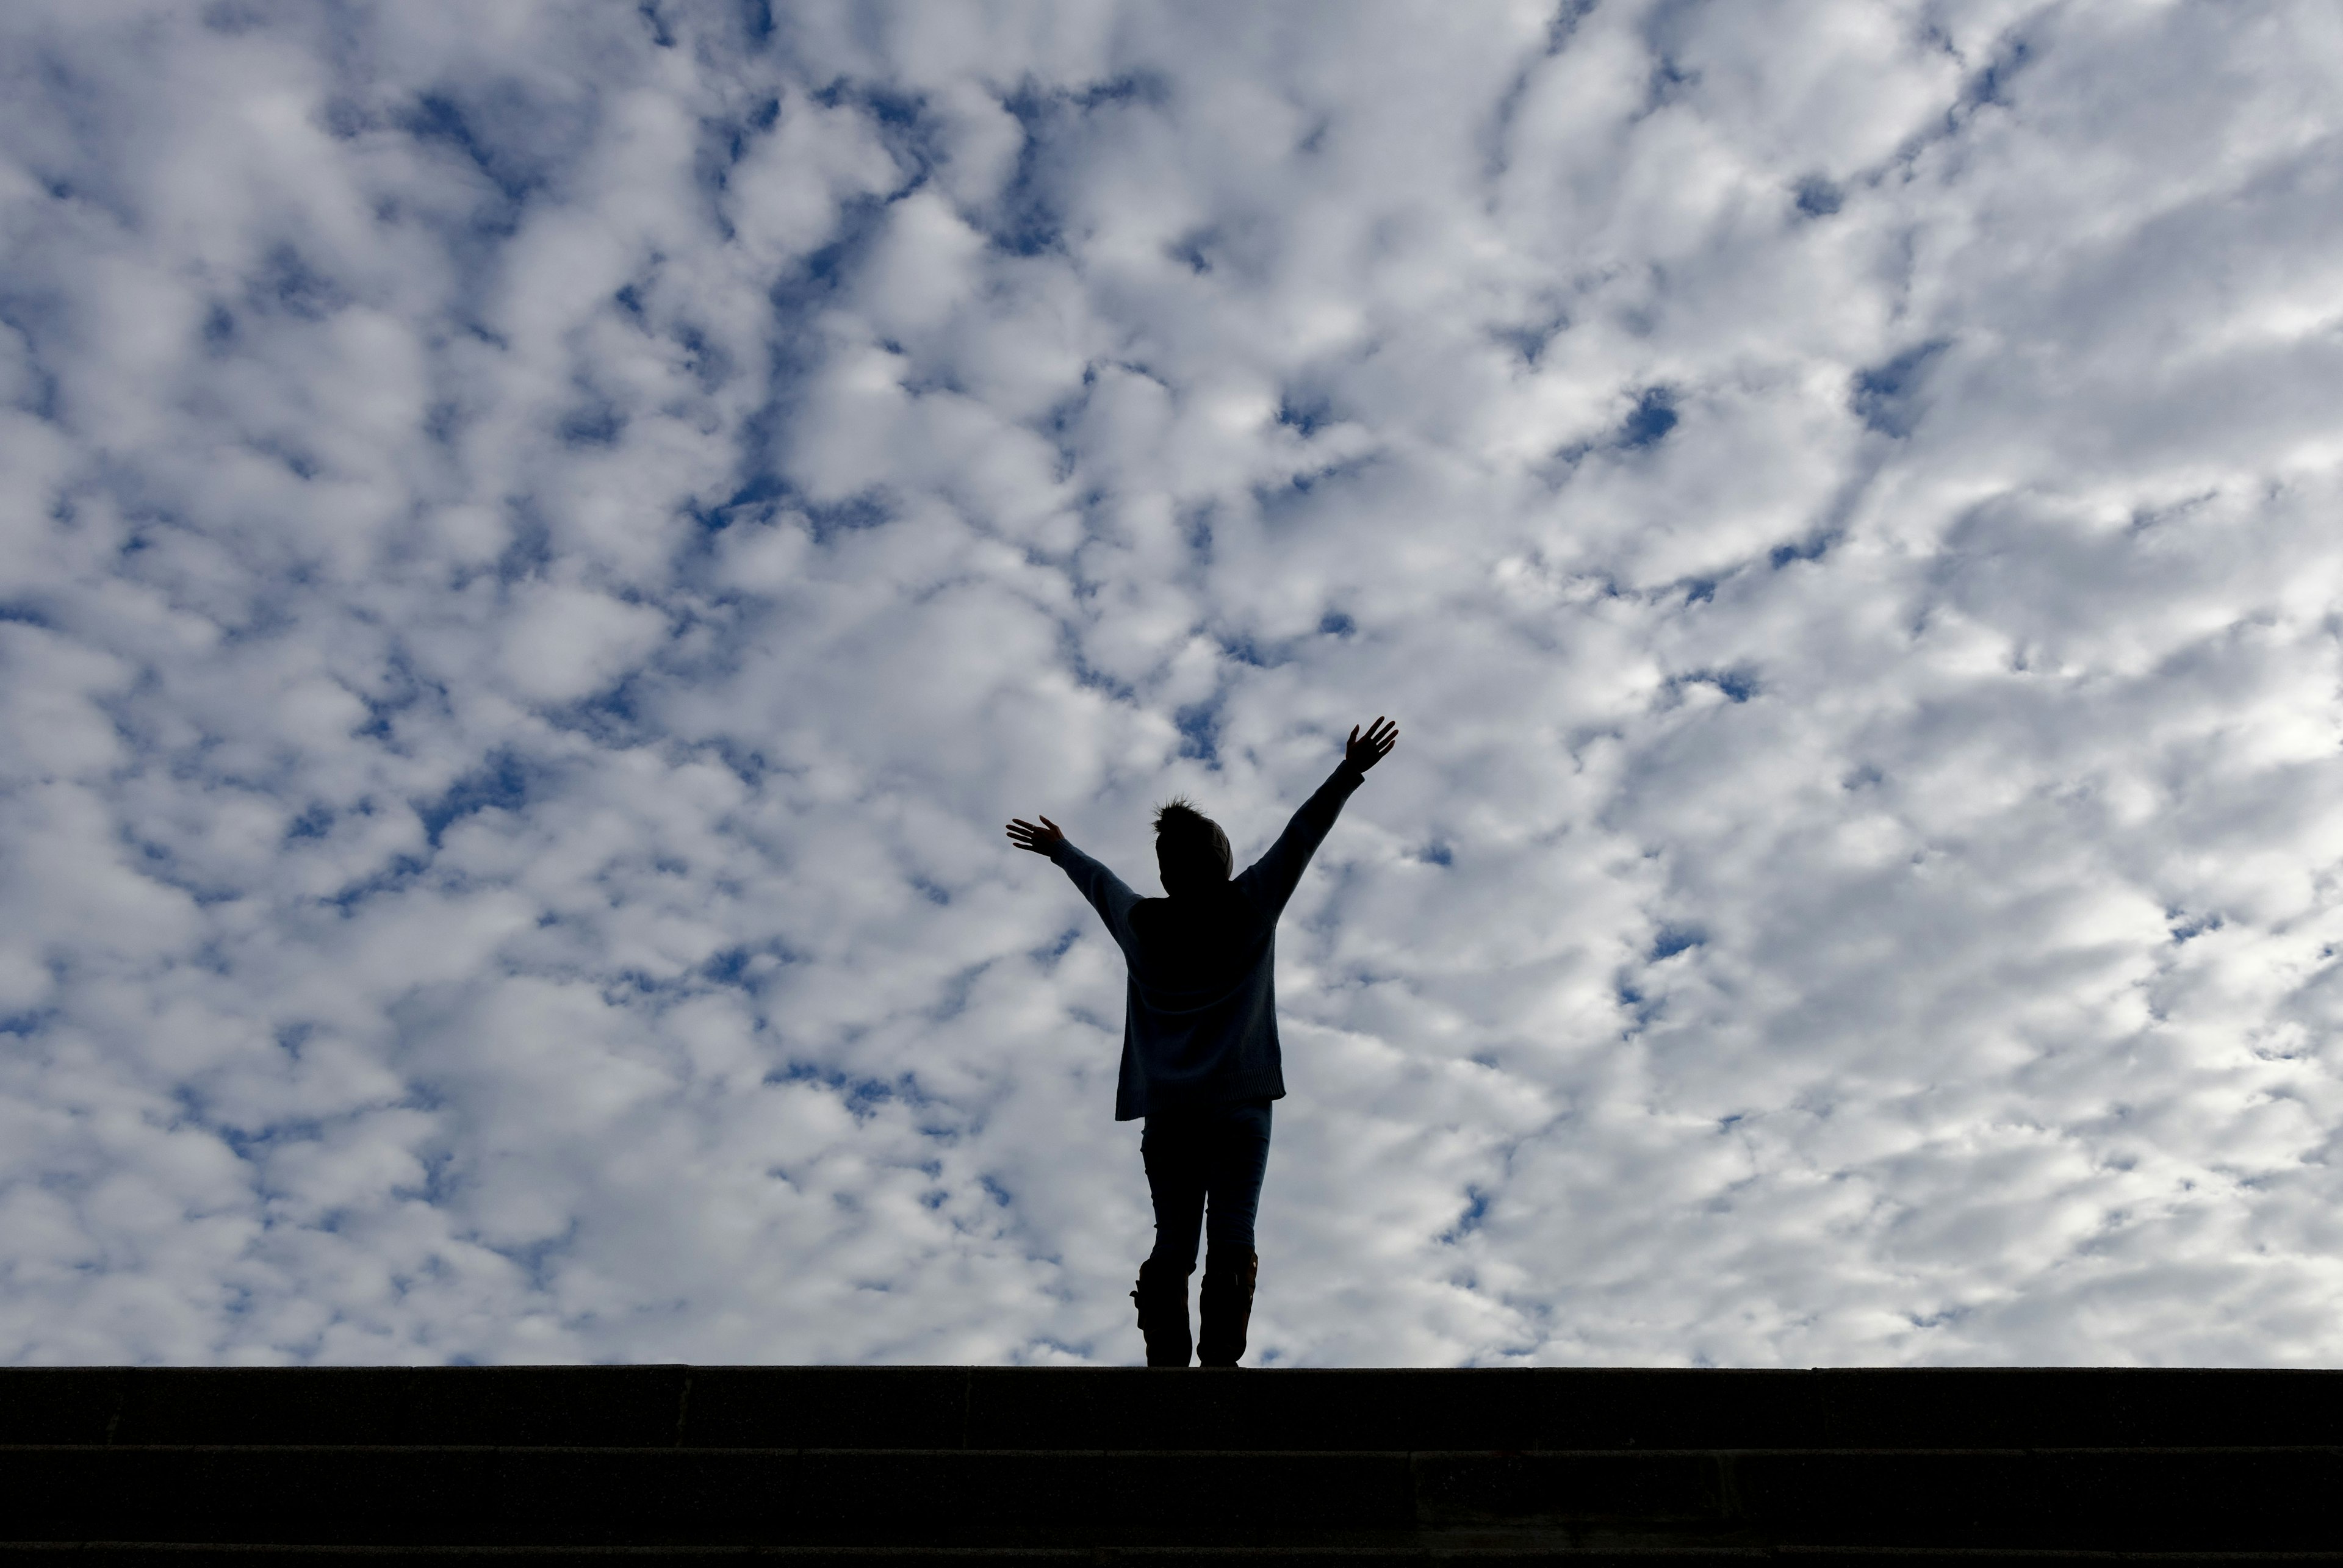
(539, 543)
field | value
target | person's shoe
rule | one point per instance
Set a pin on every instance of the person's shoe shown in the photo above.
(1163, 1301)
(1224, 1303)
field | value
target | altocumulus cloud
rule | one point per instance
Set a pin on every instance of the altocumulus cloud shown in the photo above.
(541, 542)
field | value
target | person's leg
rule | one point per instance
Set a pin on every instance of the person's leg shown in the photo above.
(1176, 1149)
(1173, 1149)
(1238, 1160)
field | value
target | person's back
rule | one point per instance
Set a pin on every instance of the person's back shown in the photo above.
(1201, 1057)
(1198, 962)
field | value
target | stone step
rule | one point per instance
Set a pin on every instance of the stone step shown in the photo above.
(908, 1466)
(2131, 1499)
(140, 1555)
(1552, 1408)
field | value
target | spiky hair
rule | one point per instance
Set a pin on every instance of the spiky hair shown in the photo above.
(1179, 818)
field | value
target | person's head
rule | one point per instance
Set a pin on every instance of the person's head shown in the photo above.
(1191, 850)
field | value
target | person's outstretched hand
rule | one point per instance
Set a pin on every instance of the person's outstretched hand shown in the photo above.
(1042, 840)
(1364, 751)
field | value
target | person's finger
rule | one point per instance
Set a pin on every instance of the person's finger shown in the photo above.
(1051, 825)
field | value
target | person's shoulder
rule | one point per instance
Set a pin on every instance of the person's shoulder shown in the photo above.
(1246, 893)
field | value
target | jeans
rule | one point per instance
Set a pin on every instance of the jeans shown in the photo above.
(1216, 1151)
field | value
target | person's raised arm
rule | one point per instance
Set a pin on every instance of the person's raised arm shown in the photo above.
(1107, 893)
(1275, 875)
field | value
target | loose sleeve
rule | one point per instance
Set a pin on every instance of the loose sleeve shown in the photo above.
(1106, 891)
(1272, 878)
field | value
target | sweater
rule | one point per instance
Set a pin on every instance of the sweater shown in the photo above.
(1199, 1017)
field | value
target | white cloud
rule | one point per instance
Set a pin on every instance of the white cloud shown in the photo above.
(542, 547)
(566, 643)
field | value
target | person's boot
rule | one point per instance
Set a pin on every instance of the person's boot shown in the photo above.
(1224, 1304)
(1163, 1301)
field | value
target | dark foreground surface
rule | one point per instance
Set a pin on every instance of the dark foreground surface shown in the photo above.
(674, 1465)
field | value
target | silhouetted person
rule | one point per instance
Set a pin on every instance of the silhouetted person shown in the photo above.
(1200, 1058)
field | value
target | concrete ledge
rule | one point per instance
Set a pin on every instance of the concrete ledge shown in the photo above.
(145, 1555)
(675, 1465)
(348, 1496)
(1552, 1408)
